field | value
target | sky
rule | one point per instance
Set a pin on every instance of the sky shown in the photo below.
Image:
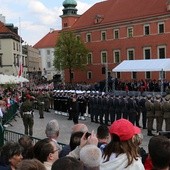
(35, 18)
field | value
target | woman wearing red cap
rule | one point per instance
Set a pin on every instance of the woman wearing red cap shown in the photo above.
(122, 151)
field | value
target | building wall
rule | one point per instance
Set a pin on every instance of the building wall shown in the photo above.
(7, 50)
(47, 56)
(138, 42)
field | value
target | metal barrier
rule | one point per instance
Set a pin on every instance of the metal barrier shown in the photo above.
(10, 114)
(15, 136)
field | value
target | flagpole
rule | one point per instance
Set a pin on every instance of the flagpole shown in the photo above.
(20, 52)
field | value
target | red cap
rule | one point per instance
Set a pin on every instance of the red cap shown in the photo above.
(124, 129)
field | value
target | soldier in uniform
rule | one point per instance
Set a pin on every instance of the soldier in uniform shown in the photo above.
(74, 109)
(166, 112)
(150, 114)
(132, 112)
(46, 99)
(158, 113)
(26, 111)
(143, 111)
(40, 103)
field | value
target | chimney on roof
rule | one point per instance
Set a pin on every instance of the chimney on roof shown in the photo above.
(168, 5)
(12, 28)
(51, 30)
(2, 18)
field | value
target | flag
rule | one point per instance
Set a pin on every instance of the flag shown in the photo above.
(20, 71)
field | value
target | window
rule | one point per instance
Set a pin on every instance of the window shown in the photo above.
(89, 58)
(48, 52)
(161, 52)
(134, 75)
(146, 29)
(78, 37)
(147, 53)
(129, 32)
(13, 45)
(148, 75)
(116, 56)
(89, 75)
(103, 35)
(118, 75)
(88, 37)
(0, 60)
(161, 28)
(48, 64)
(130, 54)
(103, 57)
(72, 75)
(116, 34)
(65, 24)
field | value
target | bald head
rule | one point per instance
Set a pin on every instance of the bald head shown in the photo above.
(80, 127)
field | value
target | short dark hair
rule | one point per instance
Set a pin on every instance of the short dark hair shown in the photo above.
(42, 149)
(75, 140)
(31, 164)
(159, 151)
(102, 132)
(8, 151)
(67, 163)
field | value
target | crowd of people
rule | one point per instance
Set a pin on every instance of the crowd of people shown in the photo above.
(115, 147)
(116, 144)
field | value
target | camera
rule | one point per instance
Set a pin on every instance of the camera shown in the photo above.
(87, 135)
(165, 133)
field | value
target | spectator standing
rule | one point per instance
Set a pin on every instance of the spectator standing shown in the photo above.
(52, 130)
(159, 153)
(121, 152)
(10, 156)
(67, 163)
(47, 152)
(30, 164)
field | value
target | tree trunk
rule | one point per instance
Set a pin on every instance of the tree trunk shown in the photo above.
(70, 75)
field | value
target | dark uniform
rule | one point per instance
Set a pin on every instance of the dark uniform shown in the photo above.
(143, 111)
(26, 111)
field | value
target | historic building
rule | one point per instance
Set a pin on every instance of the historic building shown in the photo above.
(117, 30)
(46, 47)
(12, 51)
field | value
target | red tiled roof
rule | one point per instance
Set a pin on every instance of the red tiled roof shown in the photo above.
(48, 41)
(115, 11)
(3, 28)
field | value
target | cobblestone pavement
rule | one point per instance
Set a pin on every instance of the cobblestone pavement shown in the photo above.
(65, 127)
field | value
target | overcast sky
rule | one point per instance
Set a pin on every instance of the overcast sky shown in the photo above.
(36, 17)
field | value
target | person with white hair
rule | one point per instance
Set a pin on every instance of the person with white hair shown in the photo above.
(52, 130)
(91, 156)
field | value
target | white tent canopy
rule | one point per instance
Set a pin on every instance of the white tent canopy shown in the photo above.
(143, 65)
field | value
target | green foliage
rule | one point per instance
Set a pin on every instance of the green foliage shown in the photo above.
(70, 52)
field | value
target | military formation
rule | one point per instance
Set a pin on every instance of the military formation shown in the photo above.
(106, 108)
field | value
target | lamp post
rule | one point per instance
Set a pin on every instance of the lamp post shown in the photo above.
(106, 73)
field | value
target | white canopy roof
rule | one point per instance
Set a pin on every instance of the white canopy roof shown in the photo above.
(143, 65)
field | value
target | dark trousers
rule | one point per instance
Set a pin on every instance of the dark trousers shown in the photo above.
(28, 122)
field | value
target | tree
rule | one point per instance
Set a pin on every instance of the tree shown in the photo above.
(70, 53)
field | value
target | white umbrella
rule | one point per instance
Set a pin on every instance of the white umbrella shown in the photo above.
(22, 79)
(5, 79)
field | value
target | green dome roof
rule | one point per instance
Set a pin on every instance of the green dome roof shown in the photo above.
(69, 3)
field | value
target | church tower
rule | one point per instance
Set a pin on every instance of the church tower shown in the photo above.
(70, 15)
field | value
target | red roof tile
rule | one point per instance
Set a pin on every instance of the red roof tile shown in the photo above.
(48, 41)
(121, 10)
